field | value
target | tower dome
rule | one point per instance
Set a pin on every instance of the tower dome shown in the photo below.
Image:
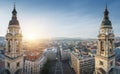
(106, 22)
(14, 20)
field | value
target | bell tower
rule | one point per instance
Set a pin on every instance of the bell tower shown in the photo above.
(13, 54)
(105, 57)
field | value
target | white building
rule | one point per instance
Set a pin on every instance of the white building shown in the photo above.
(65, 54)
(51, 53)
(34, 63)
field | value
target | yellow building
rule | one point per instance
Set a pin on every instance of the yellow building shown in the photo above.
(82, 64)
(105, 57)
(13, 54)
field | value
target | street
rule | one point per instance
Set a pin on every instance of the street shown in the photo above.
(58, 67)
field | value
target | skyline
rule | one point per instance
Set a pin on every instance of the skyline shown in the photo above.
(59, 18)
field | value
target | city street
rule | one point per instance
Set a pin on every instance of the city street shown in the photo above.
(57, 67)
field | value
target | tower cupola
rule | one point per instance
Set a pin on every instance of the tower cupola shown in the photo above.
(14, 20)
(106, 23)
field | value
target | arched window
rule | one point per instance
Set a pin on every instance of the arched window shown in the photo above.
(9, 46)
(102, 47)
(110, 45)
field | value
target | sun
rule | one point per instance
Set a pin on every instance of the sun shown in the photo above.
(31, 37)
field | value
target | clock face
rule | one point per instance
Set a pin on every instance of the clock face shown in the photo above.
(102, 31)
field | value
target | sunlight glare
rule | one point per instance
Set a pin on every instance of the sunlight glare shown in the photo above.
(31, 37)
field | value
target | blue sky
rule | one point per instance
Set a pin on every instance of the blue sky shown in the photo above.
(60, 18)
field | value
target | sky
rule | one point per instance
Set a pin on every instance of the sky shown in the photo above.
(59, 18)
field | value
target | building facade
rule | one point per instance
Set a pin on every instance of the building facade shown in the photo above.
(34, 63)
(65, 54)
(82, 64)
(51, 53)
(13, 54)
(105, 57)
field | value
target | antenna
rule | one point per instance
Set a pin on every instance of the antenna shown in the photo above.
(106, 3)
(14, 5)
(15, 2)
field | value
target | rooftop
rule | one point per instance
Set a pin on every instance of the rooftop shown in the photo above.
(33, 56)
(80, 55)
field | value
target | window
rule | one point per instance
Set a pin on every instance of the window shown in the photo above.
(101, 63)
(102, 46)
(8, 64)
(18, 64)
(111, 63)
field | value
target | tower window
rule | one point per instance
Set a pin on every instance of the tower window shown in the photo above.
(18, 64)
(111, 63)
(101, 63)
(17, 50)
(8, 64)
(102, 46)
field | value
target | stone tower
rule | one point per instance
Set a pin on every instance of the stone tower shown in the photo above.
(105, 57)
(13, 54)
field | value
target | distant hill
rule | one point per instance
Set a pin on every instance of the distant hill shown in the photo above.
(77, 38)
(117, 38)
(2, 38)
(65, 38)
(2, 41)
